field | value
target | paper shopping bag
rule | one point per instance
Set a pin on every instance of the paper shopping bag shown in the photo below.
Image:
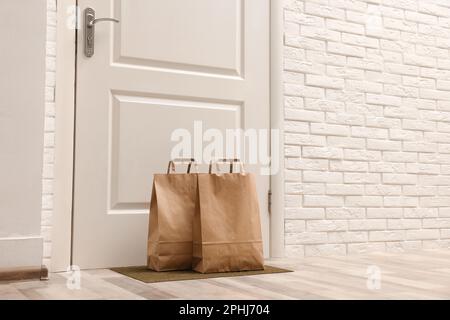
(170, 225)
(227, 228)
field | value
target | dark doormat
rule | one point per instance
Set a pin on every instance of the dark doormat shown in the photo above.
(148, 276)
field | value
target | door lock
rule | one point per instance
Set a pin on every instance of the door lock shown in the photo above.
(89, 30)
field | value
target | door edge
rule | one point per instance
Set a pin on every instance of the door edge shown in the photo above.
(60, 258)
(276, 234)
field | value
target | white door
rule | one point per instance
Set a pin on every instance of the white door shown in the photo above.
(167, 64)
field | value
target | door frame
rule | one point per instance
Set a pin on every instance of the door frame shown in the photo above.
(65, 97)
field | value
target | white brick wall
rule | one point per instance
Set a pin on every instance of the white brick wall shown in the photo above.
(49, 135)
(367, 111)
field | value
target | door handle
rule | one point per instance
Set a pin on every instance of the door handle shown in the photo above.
(92, 22)
(89, 30)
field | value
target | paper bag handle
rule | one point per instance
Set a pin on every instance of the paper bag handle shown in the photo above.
(230, 161)
(190, 161)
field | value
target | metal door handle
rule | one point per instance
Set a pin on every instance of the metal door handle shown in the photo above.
(89, 30)
(94, 21)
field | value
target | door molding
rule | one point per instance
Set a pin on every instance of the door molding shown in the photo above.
(64, 138)
(65, 134)
(276, 235)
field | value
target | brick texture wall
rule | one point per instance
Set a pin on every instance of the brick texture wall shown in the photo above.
(367, 126)
(49, 138)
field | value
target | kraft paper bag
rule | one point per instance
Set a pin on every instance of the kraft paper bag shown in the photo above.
(170, 227)
(227, 228)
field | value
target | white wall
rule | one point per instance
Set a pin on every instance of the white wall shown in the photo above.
(49, 135)
(22, 78)
(367, 111)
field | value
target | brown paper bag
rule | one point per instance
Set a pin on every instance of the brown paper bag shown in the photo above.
(227, 228)
(170, 228)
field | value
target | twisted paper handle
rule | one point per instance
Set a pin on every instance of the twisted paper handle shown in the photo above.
(189, 161)
(230, 161)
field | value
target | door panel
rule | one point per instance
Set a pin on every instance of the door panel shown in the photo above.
(196, 35)
(134, 129)
(167, 65)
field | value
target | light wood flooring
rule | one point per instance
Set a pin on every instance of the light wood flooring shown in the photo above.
(419, 275)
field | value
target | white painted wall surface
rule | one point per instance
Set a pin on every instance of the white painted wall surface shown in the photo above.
(22, 78)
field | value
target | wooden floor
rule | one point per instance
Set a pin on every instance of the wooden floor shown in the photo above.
(420, 275)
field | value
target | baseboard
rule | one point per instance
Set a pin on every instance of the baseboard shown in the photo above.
(24, 273)
(21, 252)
